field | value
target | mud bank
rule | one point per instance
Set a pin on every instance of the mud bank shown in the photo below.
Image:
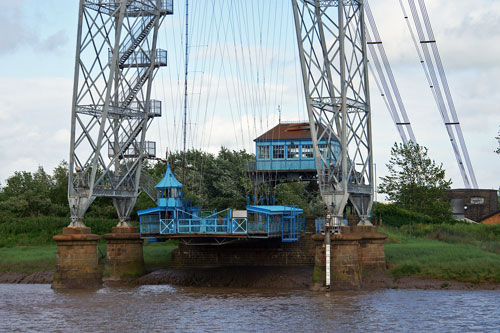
(233, 277)
(41, 277)
(257, 277)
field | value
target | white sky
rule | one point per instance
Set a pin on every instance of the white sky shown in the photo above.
(37, 48)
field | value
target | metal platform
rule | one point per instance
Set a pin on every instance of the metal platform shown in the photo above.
(261, 222)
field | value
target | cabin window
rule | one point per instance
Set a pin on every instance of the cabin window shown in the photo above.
(322, 149)
(278, 151)
(263, 152)
(292, 151)
(307, 151)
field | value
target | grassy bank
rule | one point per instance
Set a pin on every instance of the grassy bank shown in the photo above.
(465, 253)
(26, 244)
(462, 252)
(34, 258)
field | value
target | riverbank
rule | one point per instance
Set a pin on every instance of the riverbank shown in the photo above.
(275, 278)
(439, 255)
(423, 256)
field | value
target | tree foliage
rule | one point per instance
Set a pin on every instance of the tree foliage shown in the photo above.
(415, 182)
(33, 194)
(301, 194)
(216, 181)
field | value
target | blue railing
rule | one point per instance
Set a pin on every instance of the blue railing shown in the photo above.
(211, 223)
(239, 225)
(258, 225)
(168, 227)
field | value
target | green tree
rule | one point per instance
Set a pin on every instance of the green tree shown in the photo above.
(415, 182)
(217, 181)
(28, 194)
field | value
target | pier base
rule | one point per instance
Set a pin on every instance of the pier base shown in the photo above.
(124, 256)
(357, 251)
(77, 261)
(345, 270)
(371, 255)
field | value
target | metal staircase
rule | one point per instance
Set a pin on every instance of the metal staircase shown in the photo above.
(147, 185)
(112, 106)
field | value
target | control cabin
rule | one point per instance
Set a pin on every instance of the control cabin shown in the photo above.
(286, 152)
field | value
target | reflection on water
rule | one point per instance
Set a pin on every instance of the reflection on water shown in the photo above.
(168, 308)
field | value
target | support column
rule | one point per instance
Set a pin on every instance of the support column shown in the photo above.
(372, 254)
(124, 256)
(77, 260)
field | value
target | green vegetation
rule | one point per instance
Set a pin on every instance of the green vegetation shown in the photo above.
(158, 255)
(28, 259)
(34, 258)
(217, 181)
(391, 214)
(39, 230)
(26, 244)
(415, 183)
(461, 253)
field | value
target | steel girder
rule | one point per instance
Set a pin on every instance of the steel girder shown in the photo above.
(116, 61)
(332, 49)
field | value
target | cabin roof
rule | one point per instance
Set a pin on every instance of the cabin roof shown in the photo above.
(150, 210)
(274, 209)
(169, 180)
(287, 131)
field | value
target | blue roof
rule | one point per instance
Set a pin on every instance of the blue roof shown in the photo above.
(168, 180)
(150, 210)
(274, 209)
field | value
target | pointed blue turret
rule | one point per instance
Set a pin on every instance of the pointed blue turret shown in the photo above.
(169, 191)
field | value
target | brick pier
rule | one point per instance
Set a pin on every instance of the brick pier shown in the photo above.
(124, 256)
(77, 261)
(356, 252)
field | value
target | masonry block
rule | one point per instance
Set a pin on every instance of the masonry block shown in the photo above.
(124, 255)
(77, 260)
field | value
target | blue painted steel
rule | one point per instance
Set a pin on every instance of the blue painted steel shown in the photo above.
(297, 159)
(175, 215)
(169, 180)
(268, 209)
(149, 211)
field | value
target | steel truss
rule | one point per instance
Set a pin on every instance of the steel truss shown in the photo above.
(332, 48)
(116, 61)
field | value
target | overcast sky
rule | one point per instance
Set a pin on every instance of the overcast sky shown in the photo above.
(37, 48)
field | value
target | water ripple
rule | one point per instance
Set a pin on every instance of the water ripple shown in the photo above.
(166, 309)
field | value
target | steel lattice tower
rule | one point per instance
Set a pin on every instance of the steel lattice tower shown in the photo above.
(116, 60)
(332, 49)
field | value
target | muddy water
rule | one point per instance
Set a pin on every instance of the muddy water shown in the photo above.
(167, 308)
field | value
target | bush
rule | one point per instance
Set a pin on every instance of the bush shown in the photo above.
(394, 216)
(40, 230)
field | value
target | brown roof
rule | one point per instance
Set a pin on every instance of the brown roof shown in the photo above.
(490, 215)
(287, 131)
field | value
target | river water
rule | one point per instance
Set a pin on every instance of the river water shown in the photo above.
(166, 308)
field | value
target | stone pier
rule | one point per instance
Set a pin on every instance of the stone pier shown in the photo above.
(124, 256)
(356, 252)
(77, 260)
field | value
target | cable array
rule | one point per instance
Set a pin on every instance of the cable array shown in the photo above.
(384, 78)
(427, 50)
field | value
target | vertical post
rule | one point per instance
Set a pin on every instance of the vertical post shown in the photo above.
(185, 92)
(328, 256)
